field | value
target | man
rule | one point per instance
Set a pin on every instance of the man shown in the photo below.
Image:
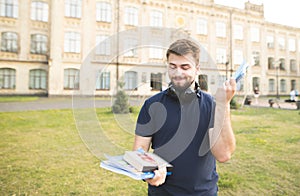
(187, 127)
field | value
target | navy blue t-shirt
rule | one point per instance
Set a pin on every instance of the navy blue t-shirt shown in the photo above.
(178, 128)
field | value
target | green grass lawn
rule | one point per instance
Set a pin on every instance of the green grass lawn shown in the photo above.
(43, 154)
(18, 98)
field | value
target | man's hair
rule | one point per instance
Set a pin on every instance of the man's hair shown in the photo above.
(184, 46)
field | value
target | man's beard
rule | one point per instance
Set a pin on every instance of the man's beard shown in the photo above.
(181, 89)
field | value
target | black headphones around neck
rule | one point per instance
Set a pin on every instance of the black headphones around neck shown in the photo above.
(185, 96)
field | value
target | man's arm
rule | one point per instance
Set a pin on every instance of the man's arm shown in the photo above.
(160, 174)
(222, 140)
(142, 142)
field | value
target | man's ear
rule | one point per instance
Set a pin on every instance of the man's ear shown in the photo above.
(198, 69)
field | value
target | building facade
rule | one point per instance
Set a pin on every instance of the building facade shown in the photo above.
(58, 47)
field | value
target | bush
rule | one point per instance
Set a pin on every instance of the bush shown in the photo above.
(234, 104)
(121, 105)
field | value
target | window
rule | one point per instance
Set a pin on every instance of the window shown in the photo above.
(7, 78)
(156, 81)
(156, 53)
(221, 79)
(103, 45)
(201, 26)
(9, 42)
(282, 64)
(103, 81)
(39, 11)
(270, 41)
(271, 85)
(293, 84)
(255, 58)
(281, 43)
(130, 46)
(156, 19)
(9, 8)
(220, 29)
(254, 34)
(72, 42)
(238, 57)
(203, 82)
(271, 63)
(292, 45)
(131, 16)
(212, 79)
(255, 82)
(37, 79)
(238, 32)
(38, 44)
(221, 55)
(282, 86)
(73, 8)
(71, 79)
(293, 65)
(103, 12)
(204, 56)
(130, 80)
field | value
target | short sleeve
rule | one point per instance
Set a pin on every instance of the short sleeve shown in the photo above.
(144, 126)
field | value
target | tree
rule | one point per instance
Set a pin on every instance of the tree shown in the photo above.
(121, 105)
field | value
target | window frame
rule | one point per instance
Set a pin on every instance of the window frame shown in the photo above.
(39, 11)
(201, 26)
(72, 42)
(71, 79)
(38, 44)
(255, 34)
(221, 55)
(9, 42)
(9, 8)
(130, 79)
(103, 80)
(103, 12)
(7, 78)
(38, 79)
(238, 32)
(156, 81)
(73, 8)
(221, 29)
(131, 16)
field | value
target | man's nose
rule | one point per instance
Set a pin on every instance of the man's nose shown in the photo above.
(178, 71)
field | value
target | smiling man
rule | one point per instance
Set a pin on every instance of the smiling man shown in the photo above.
(196, 131)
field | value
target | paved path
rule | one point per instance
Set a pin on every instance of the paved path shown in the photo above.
(44, 103)
(279, 104)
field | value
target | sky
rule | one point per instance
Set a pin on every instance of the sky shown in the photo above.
(284, 12)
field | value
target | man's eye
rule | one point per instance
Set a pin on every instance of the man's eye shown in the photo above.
(172, 66)
(185, 67)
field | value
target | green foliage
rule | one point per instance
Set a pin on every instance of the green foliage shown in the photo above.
(234, 104)
(121, 105)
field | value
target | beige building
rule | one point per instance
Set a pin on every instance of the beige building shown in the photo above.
(61, 47)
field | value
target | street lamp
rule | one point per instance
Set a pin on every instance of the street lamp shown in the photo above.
(227, 62)
(277, 81)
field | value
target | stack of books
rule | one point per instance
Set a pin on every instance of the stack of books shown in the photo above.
(137, 164)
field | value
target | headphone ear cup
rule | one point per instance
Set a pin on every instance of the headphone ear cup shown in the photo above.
(171, 92)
